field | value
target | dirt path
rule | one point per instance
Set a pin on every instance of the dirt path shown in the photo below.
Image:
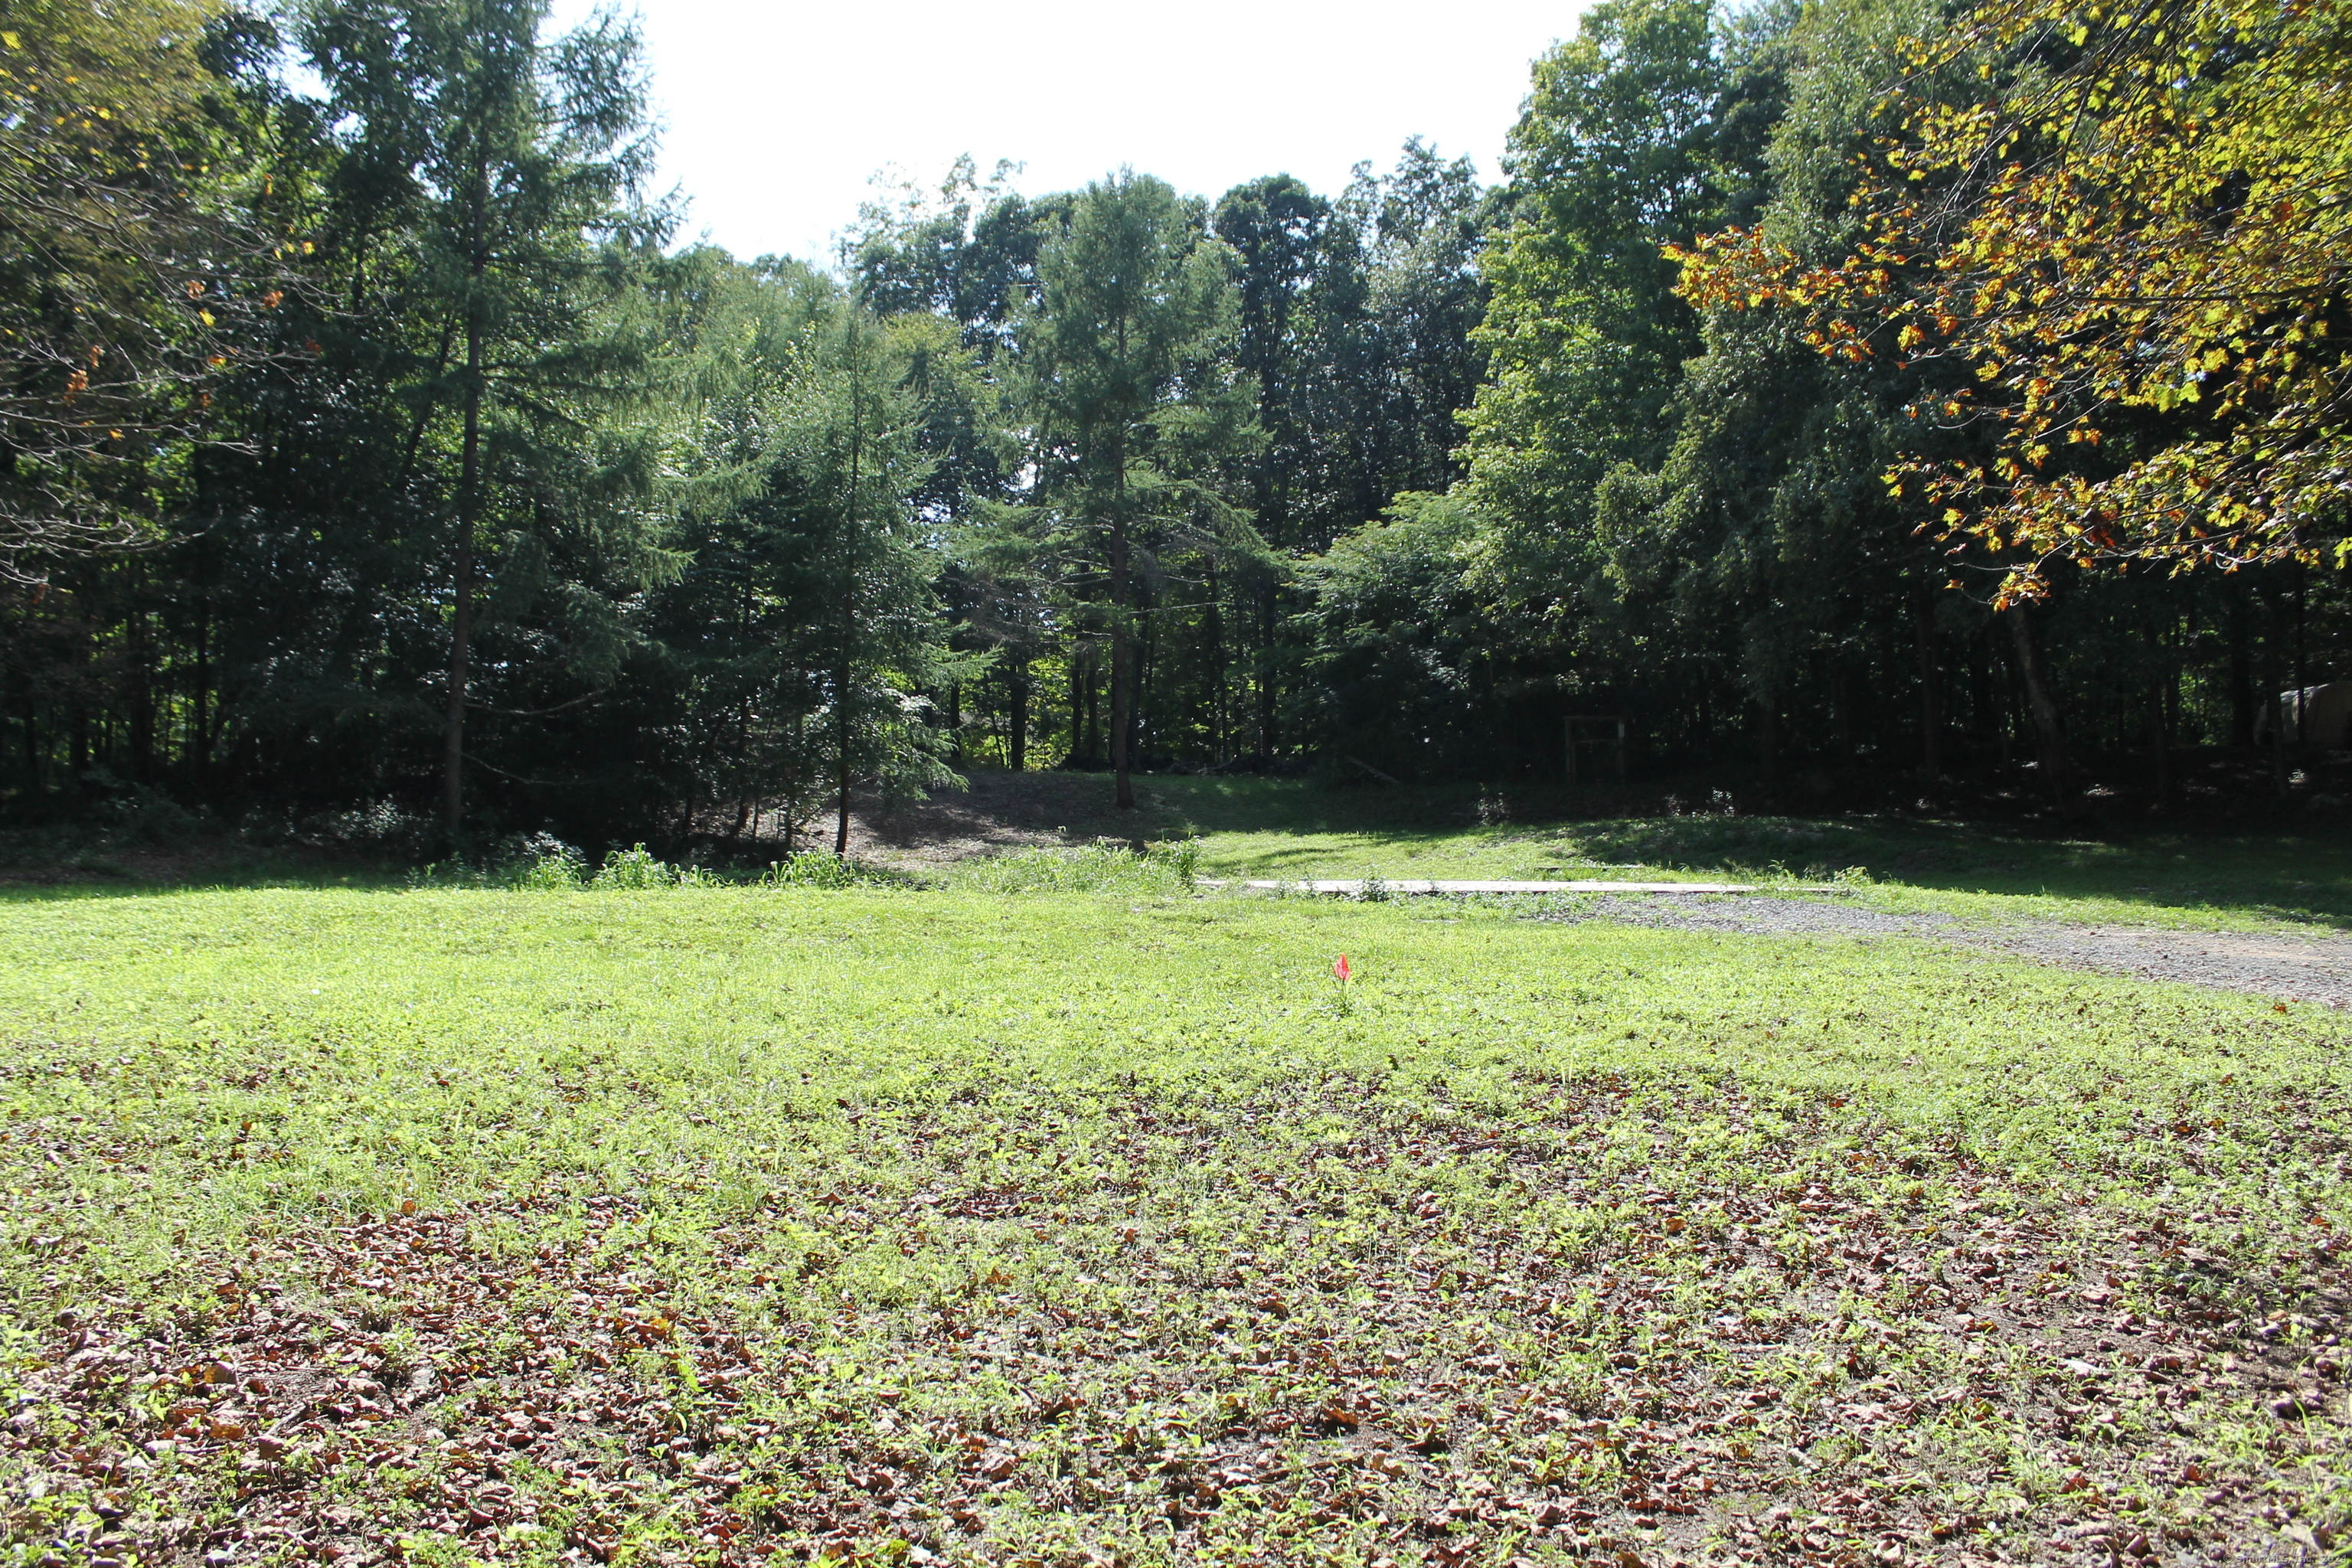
(2295, 968)
(998, 812)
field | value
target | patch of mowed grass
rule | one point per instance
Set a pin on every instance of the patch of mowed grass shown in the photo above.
(701, 1223)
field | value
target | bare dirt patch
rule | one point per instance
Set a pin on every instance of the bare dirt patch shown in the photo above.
(999, 811)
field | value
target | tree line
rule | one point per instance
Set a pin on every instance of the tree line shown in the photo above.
(1855, 388)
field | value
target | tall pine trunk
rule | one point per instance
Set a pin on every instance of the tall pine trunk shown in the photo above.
(1016, 680)
(1122, 640)
(469, 501)
(841, 723)
(200, 720)
(461, 614)
(2242, 676)
(1094, 706)
(1269, 624)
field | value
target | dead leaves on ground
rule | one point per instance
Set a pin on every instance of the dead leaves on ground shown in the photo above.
(1445, 1339)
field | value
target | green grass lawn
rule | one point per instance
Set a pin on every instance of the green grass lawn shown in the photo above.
(1287, 828)
(735, 1224)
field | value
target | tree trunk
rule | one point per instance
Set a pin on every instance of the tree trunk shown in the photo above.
(1212, 632)
(1139, 680)
(2050, 740)
(1841, 714)
(841, 759)
(1270, 613)
(1768, 735)
(469, 494)
(2010, 709)
(2278, 748)
(1094, 705)
(200, 729)
(461, 614)
(2302, 665)
(1017, 680)
(80, 678)
(848, 600)
(1122, 645)
(1931, 691)
(29, 714)
(2163, 702)
(2241, 677)
(2275, 657)
(142, 685)
(792, 777)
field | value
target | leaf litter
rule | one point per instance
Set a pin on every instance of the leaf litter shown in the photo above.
(1447, 1338)
(1116, 1252)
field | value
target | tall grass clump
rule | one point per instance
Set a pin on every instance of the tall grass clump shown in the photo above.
(815, 869)
(1098, 869)
(636, 868)
(545, 863)
(530, 861)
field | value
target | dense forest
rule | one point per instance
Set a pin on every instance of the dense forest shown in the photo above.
(1852, 396)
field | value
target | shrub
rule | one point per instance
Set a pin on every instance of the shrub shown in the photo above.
(151, 817)
(541, 862)
(375, 828)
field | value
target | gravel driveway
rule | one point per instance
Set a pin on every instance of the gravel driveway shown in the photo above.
(2293, 967)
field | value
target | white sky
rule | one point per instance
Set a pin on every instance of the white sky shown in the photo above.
(777, 115)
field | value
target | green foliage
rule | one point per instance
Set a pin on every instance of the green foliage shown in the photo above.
(1136, 406)
(1354, 322)
(134, 261)
(1619, 153)
(635, 868)
(1401, 650)
(557, 866)
(485, 194)
(813, 869)
(454, 466)
(809, 634)
(1157, 869)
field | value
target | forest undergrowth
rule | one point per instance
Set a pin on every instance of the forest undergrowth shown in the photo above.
(729, 1223)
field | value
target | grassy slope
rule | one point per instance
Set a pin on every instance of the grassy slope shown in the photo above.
(1008, 1230)
(1291, 828)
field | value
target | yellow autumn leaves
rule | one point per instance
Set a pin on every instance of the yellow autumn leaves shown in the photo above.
(2158, 217)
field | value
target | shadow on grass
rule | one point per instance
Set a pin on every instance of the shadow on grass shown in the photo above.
(1280, 828)
(79, 862)
(2302, 875)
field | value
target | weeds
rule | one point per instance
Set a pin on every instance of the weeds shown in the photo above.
(543, 864)
(815, 869)
(635, 868)
(753, 1227)
(1157, 869)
